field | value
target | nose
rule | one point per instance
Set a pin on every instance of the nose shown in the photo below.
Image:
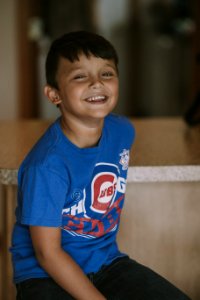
(96, 83)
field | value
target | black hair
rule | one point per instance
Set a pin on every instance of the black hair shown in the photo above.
(71, 45)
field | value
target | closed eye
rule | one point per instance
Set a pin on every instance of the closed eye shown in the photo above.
(108, 74)
(80, 77)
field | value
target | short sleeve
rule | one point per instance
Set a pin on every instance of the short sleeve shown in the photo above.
(42, 194)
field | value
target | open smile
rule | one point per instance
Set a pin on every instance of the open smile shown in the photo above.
(97, 99)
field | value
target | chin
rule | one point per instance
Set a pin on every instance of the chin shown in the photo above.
(101, 114)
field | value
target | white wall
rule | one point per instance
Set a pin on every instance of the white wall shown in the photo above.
(8, 60)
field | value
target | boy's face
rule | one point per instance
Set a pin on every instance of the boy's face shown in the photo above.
(87, 88)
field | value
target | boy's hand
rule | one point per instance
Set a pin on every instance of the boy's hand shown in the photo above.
(59, 265)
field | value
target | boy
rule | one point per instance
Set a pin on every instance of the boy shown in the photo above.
(71, 187)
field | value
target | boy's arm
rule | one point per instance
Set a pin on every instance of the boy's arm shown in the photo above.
(59, 265)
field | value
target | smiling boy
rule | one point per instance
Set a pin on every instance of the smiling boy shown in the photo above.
(87, 92)
(71, 187)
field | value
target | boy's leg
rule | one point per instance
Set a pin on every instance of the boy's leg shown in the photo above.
(41, 289)
(127, 279)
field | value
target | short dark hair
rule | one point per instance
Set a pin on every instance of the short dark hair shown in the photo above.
(71, 45)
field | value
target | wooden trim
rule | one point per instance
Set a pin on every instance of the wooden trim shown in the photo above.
(8, 195)
(27, 61)
(195, 59)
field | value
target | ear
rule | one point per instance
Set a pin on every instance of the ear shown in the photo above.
(52, 94)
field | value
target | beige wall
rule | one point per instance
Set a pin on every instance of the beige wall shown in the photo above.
(160, 228)
(8, 60)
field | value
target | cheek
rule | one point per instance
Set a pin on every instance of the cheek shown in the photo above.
(78, 90)
(73, 93)
(115, 89)
(112, 85)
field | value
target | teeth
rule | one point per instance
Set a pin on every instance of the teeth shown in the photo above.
(96, 98)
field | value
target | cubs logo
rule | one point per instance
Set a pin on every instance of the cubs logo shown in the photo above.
(96, 209)
(103, 189)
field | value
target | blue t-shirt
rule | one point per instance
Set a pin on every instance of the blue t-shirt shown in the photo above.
(80, 190)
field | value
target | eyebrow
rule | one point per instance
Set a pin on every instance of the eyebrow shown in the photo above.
(112, 66)
(80, 68)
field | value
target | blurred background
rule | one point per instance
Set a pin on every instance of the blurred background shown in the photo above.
(157, 41)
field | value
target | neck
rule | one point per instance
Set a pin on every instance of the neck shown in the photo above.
(82, 134)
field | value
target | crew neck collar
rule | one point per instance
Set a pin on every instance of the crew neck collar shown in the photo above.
(75, 147)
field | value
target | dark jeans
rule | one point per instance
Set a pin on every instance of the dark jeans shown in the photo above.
(124, 279)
